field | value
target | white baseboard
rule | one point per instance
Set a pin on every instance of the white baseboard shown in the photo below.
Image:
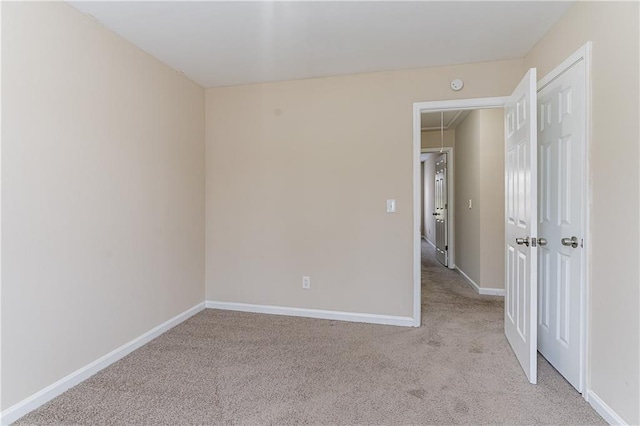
(313, 313)
(485, 291)
(430, 242)
(603, 409)
(45, 395)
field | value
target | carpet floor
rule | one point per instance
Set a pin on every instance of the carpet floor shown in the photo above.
(223, 367)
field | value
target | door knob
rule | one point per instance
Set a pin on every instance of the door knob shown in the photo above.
(542, 241)
(521, 241)
(573, 242)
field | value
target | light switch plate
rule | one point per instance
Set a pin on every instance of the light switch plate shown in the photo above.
(391, 206)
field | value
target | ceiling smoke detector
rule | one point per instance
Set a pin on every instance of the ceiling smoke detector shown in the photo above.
(457, 84)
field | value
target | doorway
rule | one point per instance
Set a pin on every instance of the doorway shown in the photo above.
(435, 107)
(474, 207)
(521, 278)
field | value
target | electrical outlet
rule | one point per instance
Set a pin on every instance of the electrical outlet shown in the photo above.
(306, 282)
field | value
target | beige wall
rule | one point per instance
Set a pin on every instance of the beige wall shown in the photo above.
(479, 176)
(467, 186)
(435, 138)
(491, 198)
(297, 177)
(102, 194)
(614, 347)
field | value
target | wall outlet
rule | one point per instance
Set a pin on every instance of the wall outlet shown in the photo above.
(306, 282)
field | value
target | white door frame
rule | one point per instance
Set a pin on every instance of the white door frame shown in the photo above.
(451, 201)
(584, 53)
(418, 109)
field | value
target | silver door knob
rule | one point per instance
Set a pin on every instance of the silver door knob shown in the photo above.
(572, 242)
(521, 241)
(542, 241)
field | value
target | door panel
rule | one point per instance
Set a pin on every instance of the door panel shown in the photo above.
(441, 208)
(562, 138)
(521, 311)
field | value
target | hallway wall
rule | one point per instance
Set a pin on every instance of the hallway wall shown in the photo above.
(467, 181)
(435, 138)
(479, 177)
(491, 197)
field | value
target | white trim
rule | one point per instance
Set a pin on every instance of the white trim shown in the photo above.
(586, 301)
(603, 409)
(485, 291)
(488, 291)
(1, 363)
(45, 395)
(312, 313)
(418, 109)
(417, 215)
(429, 242)
(462, 104)
(583, 53)
(451, 201)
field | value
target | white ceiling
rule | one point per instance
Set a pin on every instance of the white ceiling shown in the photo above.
(231, 43)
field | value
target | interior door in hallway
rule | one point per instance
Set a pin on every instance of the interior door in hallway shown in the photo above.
(561, 132)
(521, 224)
(441, 210)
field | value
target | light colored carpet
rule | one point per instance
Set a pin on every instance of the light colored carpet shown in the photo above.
(240, 368)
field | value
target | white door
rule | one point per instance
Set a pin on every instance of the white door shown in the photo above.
(521, 222)
(441, 210)
(561, 159)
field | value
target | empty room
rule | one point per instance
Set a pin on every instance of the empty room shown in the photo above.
(213, 212)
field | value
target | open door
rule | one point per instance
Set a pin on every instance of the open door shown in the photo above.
(441, 213)
(521, 296)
